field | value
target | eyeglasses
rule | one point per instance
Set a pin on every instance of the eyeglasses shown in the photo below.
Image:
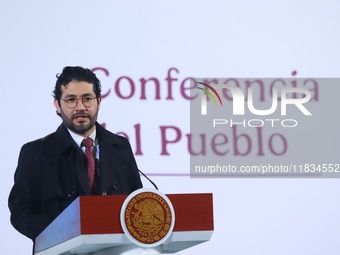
(73, 102)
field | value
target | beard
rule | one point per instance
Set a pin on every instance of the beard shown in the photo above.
(79, 128)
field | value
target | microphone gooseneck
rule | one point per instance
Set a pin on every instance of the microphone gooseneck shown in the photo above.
(148, 179)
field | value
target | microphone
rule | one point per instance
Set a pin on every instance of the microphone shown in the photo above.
(96, 164)
(99, 179)
(148, 179)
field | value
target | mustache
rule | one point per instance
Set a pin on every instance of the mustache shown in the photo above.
(81, 114)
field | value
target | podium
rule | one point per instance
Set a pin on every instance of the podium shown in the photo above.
(91, 225)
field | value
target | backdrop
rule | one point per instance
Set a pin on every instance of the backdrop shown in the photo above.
(144, 52)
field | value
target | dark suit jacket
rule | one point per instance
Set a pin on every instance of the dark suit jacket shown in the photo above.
(51, 173)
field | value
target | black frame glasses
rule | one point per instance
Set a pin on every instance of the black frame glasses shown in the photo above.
(72, 103)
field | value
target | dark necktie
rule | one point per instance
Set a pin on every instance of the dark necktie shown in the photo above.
(87, 142)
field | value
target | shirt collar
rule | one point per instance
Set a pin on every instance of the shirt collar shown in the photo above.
(78, 138)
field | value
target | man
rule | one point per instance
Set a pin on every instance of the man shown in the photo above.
(55, 170)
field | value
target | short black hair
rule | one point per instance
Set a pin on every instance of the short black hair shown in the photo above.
(76, 73)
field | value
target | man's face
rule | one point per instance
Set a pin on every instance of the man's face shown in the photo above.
(80, 119)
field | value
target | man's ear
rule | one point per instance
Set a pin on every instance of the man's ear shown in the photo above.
(57, 106)
(99, 101)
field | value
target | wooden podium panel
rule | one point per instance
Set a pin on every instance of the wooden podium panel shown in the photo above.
(92, 223)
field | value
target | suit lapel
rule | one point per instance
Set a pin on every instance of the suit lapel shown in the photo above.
(108, 170)
(81, 172)
(109, 163)
(74, 161)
